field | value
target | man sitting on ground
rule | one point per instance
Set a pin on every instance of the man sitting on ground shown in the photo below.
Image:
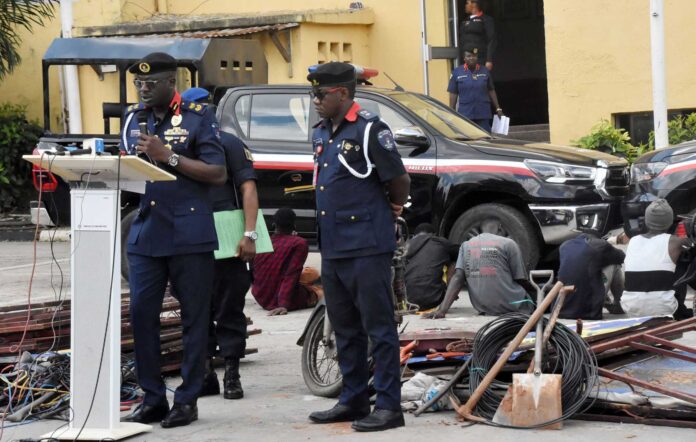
(593, 266)
(495, 273)
(650, 265)
(277, 286)
(427, 259)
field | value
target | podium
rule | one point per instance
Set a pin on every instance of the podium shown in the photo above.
(95, 337)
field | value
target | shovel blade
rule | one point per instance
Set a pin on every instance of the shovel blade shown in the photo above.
(536, 399)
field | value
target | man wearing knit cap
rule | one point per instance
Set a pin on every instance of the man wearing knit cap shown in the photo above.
(650, 265)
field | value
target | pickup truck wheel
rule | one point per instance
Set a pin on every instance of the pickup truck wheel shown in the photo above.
(514, 225)
(126, 223)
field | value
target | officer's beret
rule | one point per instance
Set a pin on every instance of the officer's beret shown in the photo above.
(471, 48)
(330, 74)
(154, 63)
(195, 94)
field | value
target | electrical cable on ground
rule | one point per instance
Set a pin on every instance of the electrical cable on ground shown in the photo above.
(569, 355)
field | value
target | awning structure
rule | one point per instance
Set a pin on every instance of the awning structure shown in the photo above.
(123, 50)
(225, 33)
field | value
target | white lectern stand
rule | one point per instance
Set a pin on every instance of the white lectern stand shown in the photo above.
(95, 268)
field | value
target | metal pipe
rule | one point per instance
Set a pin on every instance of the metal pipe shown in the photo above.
(72, 85)
(455, 27)
(647, 385)
(659, 82)
(623, 341)
(663, 352)
(424, 50)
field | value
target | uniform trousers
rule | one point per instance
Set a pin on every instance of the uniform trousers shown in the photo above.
(228, 327)
(360, 305)
(191, 276)
(484, 123)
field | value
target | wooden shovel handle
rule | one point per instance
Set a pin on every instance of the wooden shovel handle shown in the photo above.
(466, 409)
(552, 320)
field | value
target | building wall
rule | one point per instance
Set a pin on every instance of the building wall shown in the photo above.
(23, 85)
(391, 44)
(598, 58)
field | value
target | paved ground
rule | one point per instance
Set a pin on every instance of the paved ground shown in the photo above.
(277, 402)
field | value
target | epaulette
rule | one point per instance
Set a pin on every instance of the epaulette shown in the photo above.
(190, 106)
(366, 114)
(134, 107)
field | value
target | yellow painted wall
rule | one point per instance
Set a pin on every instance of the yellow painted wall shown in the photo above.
(598, 61)
(23, 86)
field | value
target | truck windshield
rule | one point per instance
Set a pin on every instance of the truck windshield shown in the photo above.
(443, 119)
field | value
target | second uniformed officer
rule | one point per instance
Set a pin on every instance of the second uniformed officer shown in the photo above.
(361, 184)
(173, 236)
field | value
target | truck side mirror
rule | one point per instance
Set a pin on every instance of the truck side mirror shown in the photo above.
(411, 136)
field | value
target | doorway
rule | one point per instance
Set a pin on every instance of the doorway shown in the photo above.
(519, 63)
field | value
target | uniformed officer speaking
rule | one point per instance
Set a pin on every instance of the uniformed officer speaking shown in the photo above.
(173, 236)
(361, 184)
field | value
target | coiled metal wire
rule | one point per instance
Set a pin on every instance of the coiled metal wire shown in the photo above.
(566, 353)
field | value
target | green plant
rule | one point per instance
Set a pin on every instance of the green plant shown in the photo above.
(680, 128)
(616, 141)
(13, 15)
(17, 137)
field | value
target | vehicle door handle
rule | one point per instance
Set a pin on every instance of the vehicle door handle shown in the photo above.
(296, 177)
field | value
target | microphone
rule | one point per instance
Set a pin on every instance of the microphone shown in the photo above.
(142, 123)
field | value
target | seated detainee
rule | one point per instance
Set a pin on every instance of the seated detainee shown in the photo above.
(427, 259)
(650, 265)
(277, 286)
(593, 266)
(493, 269)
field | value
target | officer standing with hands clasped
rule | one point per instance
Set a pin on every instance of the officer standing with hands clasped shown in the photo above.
(228, 323)
(361, 186)
(173, 236)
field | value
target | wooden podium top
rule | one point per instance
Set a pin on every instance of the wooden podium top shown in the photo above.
(102, 168)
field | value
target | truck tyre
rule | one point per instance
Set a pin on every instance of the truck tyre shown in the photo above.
(514, 225)
(126, 223)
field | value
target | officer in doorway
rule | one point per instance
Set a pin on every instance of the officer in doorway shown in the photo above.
(361, 185)
(471, 86)
(478, 31)
(228, 324)
(173, 236)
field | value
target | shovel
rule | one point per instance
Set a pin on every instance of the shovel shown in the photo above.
(535, 398)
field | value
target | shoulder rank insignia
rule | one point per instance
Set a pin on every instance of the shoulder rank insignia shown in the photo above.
(366, 114)
(134, 107)
(248, 155)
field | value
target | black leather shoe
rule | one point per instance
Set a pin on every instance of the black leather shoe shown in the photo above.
(211, 385)
(233, 386)
(380, 420)
(180, 415)
(147, 414)
(339, 413)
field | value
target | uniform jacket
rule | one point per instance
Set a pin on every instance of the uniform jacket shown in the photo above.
(354, 217)
(175, 217)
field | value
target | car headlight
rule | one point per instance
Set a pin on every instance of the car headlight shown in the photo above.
(562, 173)
(646, 171)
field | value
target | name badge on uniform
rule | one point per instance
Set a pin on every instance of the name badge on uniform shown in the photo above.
(134, 133)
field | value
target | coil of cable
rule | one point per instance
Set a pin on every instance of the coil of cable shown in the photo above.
(566, 353)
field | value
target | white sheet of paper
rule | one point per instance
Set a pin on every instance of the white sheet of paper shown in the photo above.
(501, 125)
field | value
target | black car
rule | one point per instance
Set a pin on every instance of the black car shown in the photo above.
(460, 175)
(668, 173)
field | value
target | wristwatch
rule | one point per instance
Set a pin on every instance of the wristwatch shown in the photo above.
(252, 235)
(173, 160)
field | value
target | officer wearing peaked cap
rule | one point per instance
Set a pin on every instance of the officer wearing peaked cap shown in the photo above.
(173, 237)
(361, 185)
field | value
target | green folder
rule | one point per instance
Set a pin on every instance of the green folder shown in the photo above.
(229, 225)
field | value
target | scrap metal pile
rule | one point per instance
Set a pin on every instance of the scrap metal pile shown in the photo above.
(625, 370)
(35, 356)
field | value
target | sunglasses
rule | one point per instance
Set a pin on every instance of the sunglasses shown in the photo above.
(320, 94)
(150, 84)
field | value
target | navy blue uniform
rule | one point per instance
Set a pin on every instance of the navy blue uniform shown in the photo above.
(228, 327)
(172, 239)
(357, 241)
(473, 88)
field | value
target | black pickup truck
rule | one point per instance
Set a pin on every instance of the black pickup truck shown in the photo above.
(460, 175)
(668, 173)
